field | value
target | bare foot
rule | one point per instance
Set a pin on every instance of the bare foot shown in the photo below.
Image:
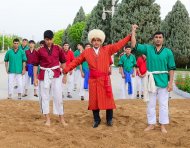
(47, 123)
(150, 127)
(63, 123)
(163, 129)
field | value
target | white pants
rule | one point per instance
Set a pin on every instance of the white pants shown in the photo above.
(77, 74)
(162, 95)
(139, 83)
(12, 80)
(28, 81)
(56, 92)
(70, 82)
(124, 89)
(81, 90)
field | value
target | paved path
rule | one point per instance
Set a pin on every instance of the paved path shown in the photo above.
(116, 81)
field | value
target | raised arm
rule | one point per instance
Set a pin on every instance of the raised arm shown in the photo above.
(119, 45)
(133, 35)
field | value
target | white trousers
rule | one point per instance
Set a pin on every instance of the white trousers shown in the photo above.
(27, 83)
(162, 95)
(124, 89)
(139, 83)
(55, 91)
(12, 80)
(77, 74)
(70, 82)
(81, 86)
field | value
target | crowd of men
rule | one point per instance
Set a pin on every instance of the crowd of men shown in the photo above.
(51, 68)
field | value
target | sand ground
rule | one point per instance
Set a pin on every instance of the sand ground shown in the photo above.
(21, 126)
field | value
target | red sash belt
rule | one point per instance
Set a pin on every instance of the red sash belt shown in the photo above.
(107, 84)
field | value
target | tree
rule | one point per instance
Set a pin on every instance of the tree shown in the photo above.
(65, 34)
(176, 27)
(58, 37)
(75, 33)
(95, 21)
(145, 13)
(80, 16)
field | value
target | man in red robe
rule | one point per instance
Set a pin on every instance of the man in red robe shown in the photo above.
(98, 59)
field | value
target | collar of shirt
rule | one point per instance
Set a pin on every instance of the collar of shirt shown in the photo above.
(96, 50)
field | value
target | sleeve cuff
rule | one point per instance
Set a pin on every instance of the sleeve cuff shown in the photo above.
(172, 68)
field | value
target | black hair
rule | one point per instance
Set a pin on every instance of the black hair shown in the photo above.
(127, 46)
(32, 41)
(42, 42)
(158, 33)
(16, 40)
(48, 34)
(81, 44)
(65, 43)
(87, 44)
(25, 40)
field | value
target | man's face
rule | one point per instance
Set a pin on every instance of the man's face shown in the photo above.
(15, 45)
(41, 45)
(24, 43)
(144, 56)
(48, 42)
(96, 43)
(32, 45)
(88, 46)
(158, 39)
(79, 47)
(66, 47)
(128, 51)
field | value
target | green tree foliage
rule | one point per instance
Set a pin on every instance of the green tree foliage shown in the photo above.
(65, 34)
(95, 21)
(145, 13)
(58, 37)
(75, 33)
(176, 27)
(80, 16)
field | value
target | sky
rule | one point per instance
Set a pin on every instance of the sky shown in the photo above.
(30, 18)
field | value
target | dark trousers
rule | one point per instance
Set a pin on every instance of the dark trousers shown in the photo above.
(109, 115)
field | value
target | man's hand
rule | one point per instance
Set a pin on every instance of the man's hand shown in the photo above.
(133, 75)
(64, 80)
(23, 71)
(170, 87)
(134, 28)
(35, 82)
(70, 72)
(123, 76)
(82, 74)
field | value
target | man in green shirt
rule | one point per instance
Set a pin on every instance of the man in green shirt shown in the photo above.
(77, 74)
(127, 64)
(160, 65)
(24, 46)
(15, 62)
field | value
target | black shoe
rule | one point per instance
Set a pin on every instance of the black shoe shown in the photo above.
(109, 123)
(96, 124)
(82, 98)
(137, 96)
(142, 96)
(35, 95)
(24, 95)
(69, 96)
(19, 98)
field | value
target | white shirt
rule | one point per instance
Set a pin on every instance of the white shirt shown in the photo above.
(96, 50)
